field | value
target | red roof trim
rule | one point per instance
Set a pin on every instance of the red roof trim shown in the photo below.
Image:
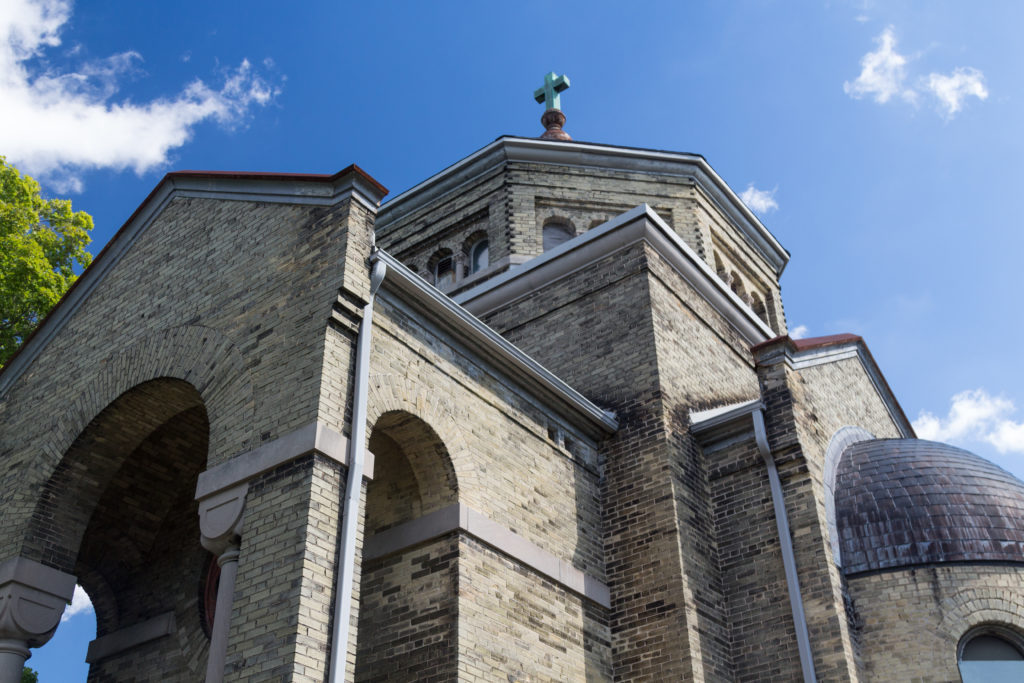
(843, 339)
(261, 175)
(810, 342)
(827, 340)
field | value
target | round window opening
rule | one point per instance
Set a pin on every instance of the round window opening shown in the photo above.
(991, 653)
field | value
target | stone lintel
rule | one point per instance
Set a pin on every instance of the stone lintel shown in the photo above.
(247, 466)
(32, 600)
(460, 517)
(130, 636)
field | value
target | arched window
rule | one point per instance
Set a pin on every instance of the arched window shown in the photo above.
(736, 284)
(991, 653)
(720, 269)
(555, 234)
(442, 269)
(479, 255)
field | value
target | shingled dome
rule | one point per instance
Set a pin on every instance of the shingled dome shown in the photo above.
(902, 502)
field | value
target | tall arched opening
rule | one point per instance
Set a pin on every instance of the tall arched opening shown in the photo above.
(409, 581)
(119, 513)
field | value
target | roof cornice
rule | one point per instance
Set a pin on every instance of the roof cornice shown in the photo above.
(490, 345)
(281, 188)
(692, 167)
(641, 223)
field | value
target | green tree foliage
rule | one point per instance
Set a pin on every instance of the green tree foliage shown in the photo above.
(29, 675)
(41, 241)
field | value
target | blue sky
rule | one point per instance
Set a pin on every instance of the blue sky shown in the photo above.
(880, 143)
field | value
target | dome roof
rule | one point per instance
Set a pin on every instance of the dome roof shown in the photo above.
(903, 502)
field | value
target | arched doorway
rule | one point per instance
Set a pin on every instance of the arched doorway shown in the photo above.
(119, 513)
(408, 593)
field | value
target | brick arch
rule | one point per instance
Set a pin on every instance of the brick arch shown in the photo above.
(973, 606)
(413, 473)
(554, 216)
(188, 366)
(201, 356)
(434, 409)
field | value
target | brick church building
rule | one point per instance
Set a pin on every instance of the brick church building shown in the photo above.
(535, 419)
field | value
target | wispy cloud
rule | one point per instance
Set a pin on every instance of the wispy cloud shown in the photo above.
(799, 332)
(884, 75)
(882, 72)
(56, 124)
(80, 604)
(977, 416)
(953, 89)
(759, 201)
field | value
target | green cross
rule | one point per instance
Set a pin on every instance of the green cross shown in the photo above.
(548, 94)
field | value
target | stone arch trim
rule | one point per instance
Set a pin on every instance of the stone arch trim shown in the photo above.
(977, 606)
(840, 441)
(201, 356)
(553, 215)
(386, 395)
(974, 606)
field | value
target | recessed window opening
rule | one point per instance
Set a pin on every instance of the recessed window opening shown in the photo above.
(990, 654)
(444, 272)
(556, 234)
(479, 256)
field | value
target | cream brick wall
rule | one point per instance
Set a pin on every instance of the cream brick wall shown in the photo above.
(911, 620)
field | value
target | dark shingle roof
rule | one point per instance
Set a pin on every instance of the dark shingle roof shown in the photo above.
(902, 502)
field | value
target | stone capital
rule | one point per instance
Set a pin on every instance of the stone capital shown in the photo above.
(220, 519)
(32, 600)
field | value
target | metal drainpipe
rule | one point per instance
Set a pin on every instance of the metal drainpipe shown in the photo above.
(796, 604)
(353, 488)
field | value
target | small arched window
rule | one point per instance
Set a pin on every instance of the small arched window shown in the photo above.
(991, 654)
(555, 234)
(479, 255)
(757, 305)
(443, 269)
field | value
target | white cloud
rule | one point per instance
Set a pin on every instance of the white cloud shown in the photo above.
(56, 124)
(953, 89)
(759, 201)
(798, 332)
(975, 415)
(882, 72)
(80, 603)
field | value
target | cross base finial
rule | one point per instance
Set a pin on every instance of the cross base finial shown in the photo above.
(553, 120)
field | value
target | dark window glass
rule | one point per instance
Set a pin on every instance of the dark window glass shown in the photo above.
(555, 234)
(479, 256)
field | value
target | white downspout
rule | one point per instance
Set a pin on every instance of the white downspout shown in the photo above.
(796, 604)
(353, 487)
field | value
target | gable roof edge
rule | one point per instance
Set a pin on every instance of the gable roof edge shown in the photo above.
(502, 352)
(286, 188)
